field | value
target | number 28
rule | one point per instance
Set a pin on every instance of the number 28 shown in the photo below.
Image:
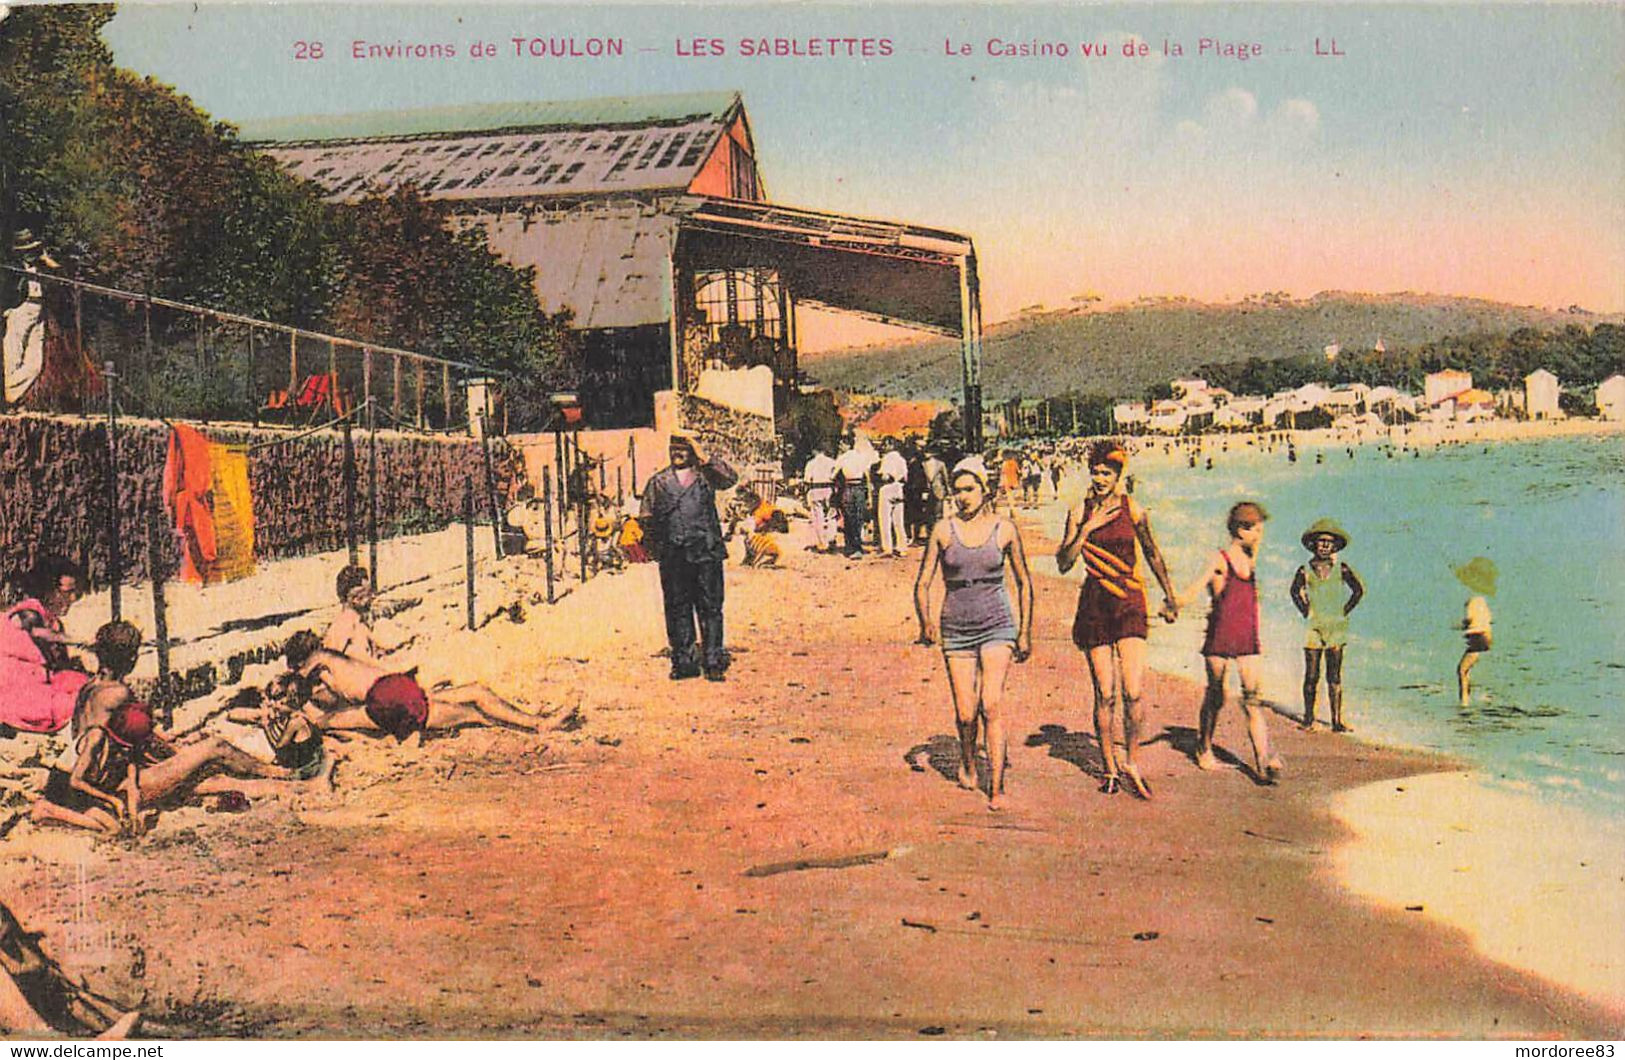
(307, 49)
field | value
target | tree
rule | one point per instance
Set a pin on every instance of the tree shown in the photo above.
(130, 185)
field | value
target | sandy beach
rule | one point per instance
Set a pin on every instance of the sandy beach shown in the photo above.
(782, 855)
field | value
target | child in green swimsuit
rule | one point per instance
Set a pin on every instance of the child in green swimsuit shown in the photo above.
(295, 742)
(1325, 590)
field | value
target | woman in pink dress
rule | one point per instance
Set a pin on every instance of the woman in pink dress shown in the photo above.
(39, 681)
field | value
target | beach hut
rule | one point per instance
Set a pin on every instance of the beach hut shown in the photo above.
(1611, 398)
(1541, 391)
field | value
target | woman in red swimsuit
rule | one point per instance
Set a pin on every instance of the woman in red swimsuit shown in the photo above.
(1110, 626)
(1232, 636)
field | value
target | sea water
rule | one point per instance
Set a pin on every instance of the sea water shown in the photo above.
(1546, 701)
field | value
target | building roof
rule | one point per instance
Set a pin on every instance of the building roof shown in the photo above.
(609, 266)
(900, 418)
(497, 151)
(536, 116)
(889, 271)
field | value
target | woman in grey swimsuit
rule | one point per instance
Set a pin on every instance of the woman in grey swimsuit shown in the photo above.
(978, 633)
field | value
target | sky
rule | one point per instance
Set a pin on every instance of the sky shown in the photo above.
(1453, 149)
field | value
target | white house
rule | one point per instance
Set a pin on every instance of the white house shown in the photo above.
(1611, 398)
(1540, 391)
(1130, 414)
(1168, 417)
(1440, 385)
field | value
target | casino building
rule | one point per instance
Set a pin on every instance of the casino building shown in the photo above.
(650, 221)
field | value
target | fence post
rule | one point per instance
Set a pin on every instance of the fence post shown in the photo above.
(632, 454)
(468, 536)
(293, 365)
(581, 535)
(252, 391)
(115, 559)
(372, 494)
(491, 486)
(620, 490)
(160, 615)
(146, 351)
(558, 463)
(547, 512)
(421, 384)
(445, 395)
(349, 475)
(78, 322)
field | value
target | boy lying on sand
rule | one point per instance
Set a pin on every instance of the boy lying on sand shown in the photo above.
(356, 694)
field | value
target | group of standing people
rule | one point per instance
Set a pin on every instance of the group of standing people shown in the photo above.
(1110, 534)
(892, 498)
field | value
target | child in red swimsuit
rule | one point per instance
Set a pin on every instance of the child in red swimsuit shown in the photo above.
(1232, 636)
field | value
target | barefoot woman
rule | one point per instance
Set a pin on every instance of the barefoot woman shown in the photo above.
(1110, 626)
(978, 634)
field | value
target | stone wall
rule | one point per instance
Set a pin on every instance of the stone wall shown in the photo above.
(741, 437)
(53, 482)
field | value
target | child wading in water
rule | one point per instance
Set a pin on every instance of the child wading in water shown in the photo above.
(1232, 637)
(1479, 576)
(1318, 591)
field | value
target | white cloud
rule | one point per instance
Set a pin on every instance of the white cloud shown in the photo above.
(1230, 120)
(1232, 108)
(1297, 115)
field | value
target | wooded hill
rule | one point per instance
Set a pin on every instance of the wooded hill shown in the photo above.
(1125, 350)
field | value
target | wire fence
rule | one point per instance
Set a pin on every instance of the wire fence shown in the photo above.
(183, 361)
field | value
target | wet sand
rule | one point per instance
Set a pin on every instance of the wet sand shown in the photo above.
(597, 881)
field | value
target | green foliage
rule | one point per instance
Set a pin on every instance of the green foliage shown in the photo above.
(131, 186)
(809, 422)
(1576, 356)
(1121, 352)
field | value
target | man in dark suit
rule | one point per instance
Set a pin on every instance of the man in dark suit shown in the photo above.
(683, 530)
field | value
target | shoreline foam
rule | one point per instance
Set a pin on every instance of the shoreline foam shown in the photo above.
(1533, 885)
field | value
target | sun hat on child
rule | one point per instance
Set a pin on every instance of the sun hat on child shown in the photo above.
(1478, 574)
(1329, 528)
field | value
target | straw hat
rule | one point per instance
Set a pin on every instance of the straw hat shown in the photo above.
(1329, 528)
(1478, 574)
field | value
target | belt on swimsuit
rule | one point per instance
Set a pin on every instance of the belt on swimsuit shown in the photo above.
(960, 583)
